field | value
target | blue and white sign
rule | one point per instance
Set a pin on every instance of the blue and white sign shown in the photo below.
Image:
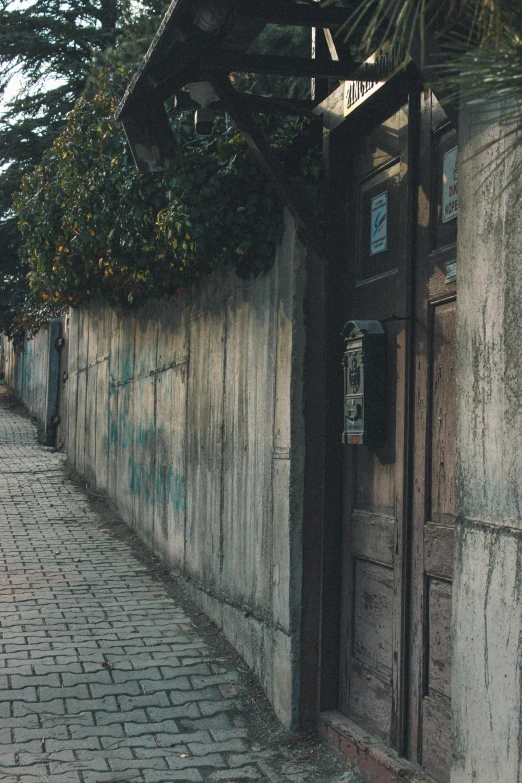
(379, 224)
(450, 182)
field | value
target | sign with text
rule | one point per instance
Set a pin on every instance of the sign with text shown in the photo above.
(371, 75)
(450, 177)
(379, 224)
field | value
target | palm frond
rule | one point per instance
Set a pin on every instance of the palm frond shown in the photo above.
(482, 45)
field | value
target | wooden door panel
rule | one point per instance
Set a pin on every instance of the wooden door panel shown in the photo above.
(436, 736)
(434, 463)
(372, 618)
(399, 498)
(438, 543)
(371, 698)
(438, 550)
(373, 536)
(439, 629)
(443, 415)
(375, 487)
(373, 613)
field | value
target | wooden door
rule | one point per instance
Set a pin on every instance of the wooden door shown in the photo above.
(433, 495)
(375, 501)
(398, 499)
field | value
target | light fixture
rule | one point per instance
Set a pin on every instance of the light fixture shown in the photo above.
(209, 15)
(204, 94)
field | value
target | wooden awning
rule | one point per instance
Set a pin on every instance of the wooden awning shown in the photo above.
(205, 41)
(200, 43)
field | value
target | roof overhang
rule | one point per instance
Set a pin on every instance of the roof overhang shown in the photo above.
(182, 53)
(205, 41)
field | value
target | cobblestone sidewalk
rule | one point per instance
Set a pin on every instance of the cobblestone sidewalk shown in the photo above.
(103, 675)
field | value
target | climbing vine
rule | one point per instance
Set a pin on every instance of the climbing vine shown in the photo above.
(91, 225)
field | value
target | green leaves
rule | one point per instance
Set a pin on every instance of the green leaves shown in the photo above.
(50, 53)
(91, 225)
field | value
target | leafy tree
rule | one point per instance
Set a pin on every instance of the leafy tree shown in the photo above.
(48, 48)
(91, 225)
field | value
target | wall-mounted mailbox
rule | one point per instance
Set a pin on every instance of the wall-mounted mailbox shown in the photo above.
(364, 366)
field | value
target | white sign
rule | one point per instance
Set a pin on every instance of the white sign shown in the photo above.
(451, 271)
(379, 224)
(450, 178)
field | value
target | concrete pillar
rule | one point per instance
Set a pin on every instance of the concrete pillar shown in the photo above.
(487, 608)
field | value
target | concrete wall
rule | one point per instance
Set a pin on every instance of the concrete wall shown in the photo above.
(32, 376)
(188, 414)
(487, 622)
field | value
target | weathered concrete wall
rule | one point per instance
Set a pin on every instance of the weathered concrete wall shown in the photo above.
(188, 414)
(32, 376)
(487, 622)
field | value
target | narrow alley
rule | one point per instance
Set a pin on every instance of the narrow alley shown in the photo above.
(105, 674)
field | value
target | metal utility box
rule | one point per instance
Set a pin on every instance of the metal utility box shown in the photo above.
(364, 366)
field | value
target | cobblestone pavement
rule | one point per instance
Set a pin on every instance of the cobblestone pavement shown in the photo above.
(104, 676)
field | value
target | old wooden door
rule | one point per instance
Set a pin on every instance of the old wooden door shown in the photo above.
(398, 498)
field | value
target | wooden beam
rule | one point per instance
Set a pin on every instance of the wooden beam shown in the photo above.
(319, 87)
(240, 62)
(290, 193)
(332, 48)
(298, 14)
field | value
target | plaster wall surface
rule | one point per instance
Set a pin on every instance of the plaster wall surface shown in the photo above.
(187, 413)
(32, 376)
(487, 619)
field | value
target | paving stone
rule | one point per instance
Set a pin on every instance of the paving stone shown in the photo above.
(108, 718)
(188, 710)
(213, 679)
(61, 777)
(159, 699)
(151, 672)
(214, 707)
(222, 735)
(99, 690)
(190, 775)
(78, 691)
(213, 760)
(103, 677)
(5, 735)
(184, 697)
(19, 694)
(99, 677)
(53, 758)
(228, 746)
(111, 730)
(105, 704)
(124, 776)
(165, 727)
(245, 773)
(219, 721)
(36, 772)
(30, 746)
(91, 742)
(127, 764)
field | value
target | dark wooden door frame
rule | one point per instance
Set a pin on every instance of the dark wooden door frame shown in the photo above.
(319, 649)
